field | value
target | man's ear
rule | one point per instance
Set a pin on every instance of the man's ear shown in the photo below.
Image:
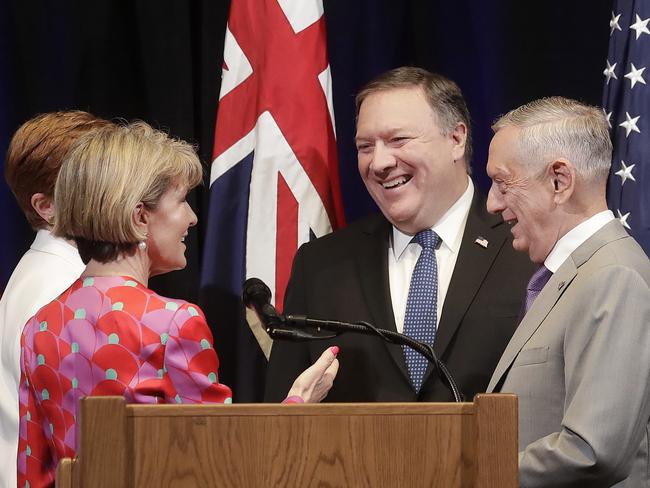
(44, 206)
(563, 177)
(458, 138)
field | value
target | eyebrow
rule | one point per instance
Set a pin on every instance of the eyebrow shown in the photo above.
(383, 134)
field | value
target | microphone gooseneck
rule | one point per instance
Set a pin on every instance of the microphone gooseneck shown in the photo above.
(257, 296)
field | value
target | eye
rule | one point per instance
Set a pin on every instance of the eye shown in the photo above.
(499, 185)
(364, 147)
(399, 141)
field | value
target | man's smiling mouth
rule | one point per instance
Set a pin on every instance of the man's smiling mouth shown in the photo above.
(396, 182)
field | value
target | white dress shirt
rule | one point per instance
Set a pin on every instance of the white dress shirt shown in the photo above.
(570, 241)
(403, 254)
(46, 270)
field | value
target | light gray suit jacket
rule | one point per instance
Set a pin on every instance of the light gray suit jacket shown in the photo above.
(580, 364)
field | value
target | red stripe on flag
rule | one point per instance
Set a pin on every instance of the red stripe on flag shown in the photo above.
(286, 240)
(285, 82)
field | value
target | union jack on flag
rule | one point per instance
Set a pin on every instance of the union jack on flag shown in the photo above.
(274, 179)
(626, 101)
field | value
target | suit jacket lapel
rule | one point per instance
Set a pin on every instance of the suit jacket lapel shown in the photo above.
(372, 270)
(472, 265)
(548, 297)
(545, 301)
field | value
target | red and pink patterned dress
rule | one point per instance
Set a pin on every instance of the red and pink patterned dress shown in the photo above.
(106, 336)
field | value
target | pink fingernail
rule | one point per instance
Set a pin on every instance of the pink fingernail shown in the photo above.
(335, 350)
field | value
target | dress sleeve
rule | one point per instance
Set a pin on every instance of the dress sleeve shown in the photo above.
(34, 457)
(191, 361)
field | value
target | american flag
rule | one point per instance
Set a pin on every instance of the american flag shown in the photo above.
(274, 179)
(626, 101)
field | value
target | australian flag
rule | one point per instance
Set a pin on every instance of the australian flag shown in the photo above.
(626, 101)
(274, 179)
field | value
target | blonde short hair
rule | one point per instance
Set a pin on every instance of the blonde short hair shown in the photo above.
(558, 127)
(105, 176)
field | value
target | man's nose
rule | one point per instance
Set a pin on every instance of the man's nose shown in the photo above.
(382, 159)
(494, 200)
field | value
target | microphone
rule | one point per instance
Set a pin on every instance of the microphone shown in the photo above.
(257, 296)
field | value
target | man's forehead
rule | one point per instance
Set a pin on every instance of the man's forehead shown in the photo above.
(393, 109)
(503, 150)
(394, 97)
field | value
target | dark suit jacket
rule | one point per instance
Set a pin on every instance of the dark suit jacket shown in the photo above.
(344, 276)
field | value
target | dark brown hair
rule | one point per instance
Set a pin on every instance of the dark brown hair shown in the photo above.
(444, 97)
(36, 152)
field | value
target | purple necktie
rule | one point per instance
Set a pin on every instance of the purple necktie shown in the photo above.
(535, 285)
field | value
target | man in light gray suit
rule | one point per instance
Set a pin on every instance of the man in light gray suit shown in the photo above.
(580, 358)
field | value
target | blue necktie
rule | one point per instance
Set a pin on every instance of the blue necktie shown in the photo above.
(420, 320)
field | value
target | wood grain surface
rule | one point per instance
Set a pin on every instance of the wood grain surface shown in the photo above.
(334, 445)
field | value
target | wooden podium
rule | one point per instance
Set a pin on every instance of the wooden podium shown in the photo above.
(325, 445)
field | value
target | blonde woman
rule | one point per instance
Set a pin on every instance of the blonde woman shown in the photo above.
(121, 196)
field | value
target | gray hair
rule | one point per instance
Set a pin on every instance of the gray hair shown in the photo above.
(558, 127)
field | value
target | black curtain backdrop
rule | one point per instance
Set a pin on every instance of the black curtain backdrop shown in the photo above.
(161, 62)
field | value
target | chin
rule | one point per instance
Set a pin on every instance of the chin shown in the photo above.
(534, 256)
(405, 225)
(178, 266)
(168, 268)
(520, 246)
(401, 219)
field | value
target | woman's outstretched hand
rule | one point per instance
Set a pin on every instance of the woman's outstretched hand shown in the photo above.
(315, 382)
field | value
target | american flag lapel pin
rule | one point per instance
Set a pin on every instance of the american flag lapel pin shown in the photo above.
(481, 241)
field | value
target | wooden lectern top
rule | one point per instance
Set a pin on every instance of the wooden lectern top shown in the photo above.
(325, 445)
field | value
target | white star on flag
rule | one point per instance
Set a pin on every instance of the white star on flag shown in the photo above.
(625, 106)
(630, 124)
(640, 26)
(608, 118)
(609, 72)
(623, 219)
(625, 172)
(613, 24)
(635, 75)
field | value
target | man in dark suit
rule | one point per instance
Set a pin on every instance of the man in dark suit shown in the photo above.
(414, 148)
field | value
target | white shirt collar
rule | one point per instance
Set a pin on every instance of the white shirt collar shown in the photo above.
(570, 241)
(45, 241)
(449, 227)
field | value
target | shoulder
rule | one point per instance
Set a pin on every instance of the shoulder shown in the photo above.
(37, 279)
(175, 310)
(153, 306)
(373, 228)
(613, 282)
(619, 256)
